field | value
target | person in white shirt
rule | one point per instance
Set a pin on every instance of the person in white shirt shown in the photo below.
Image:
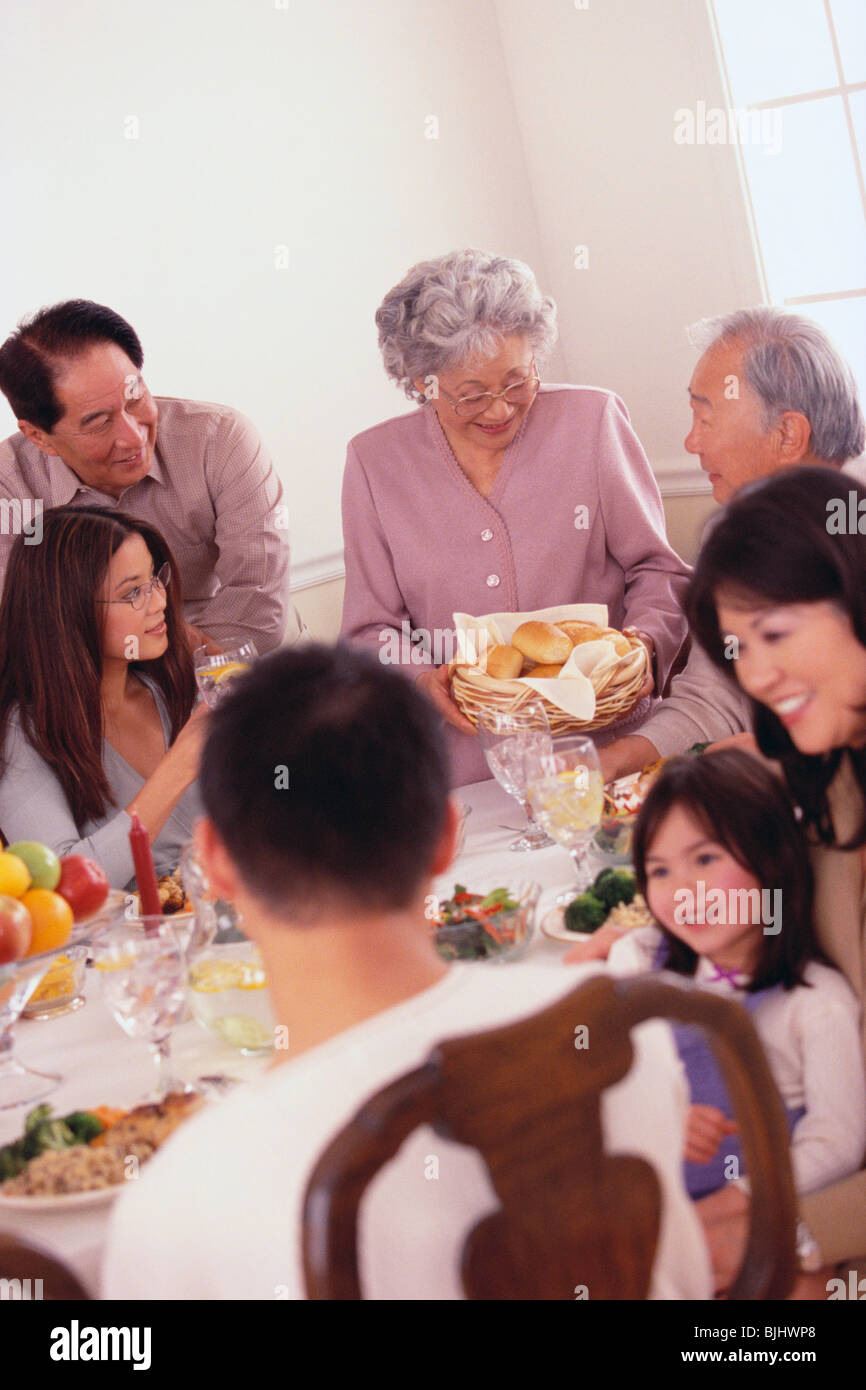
(325, 784)
(724, 868)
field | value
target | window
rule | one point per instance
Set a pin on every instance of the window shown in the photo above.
(796, 77)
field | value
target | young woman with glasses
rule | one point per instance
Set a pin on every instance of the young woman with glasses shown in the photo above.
(501, 493)
(97, 692)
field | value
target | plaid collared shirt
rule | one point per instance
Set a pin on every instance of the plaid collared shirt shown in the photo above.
(212, 492)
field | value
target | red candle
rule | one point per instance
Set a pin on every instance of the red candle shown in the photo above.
(145, 874)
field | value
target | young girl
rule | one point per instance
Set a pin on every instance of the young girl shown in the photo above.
(722, 864)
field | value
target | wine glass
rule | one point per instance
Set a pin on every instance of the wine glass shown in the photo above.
(216, 671)
(20, 1085)
(143, 977)
(565, 789)
(507, 737)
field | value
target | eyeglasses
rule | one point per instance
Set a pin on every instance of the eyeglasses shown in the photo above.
(139, 597)
(467, 407)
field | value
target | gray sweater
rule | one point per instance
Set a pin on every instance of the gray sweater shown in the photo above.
(33, 807)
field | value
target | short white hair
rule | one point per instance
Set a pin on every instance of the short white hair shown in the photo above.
(456, 309)
(791, 364)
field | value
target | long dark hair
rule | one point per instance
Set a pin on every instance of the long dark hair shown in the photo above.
(777, 542)
(51, 640)
(742, 806)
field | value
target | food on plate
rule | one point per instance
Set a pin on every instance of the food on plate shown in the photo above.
(83, 884)
(470, 926)
(546, 673)
(89, 1150)
(504, 663)
(16, 929)
(591, 909)
(542, 642)
(171, 895)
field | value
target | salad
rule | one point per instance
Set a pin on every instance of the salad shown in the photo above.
(470, 926)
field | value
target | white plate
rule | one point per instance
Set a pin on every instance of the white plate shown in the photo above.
(66, 1201)
(553, 925)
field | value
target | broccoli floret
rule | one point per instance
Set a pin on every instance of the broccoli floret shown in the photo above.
(37, 1117)
(12, 1160)
(84, 1126)
(617, 886)
(585, 913)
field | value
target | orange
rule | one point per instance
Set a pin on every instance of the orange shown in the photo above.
(15, 877)
(52, 919)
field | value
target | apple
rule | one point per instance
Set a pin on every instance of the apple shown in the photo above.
(83, 884)
(16, 929)
(42, 862)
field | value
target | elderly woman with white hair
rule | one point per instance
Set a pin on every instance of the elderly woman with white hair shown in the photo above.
(501, 493)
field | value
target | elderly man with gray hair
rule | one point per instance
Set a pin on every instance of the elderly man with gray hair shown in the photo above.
(500, 493)
(769, 392)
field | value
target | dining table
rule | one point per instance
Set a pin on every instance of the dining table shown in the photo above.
(97, 1064)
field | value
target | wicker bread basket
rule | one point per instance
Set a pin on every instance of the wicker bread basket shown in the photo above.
(616, 692)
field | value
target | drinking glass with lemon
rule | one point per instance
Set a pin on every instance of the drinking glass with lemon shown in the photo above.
(565, 789)
(216, 671)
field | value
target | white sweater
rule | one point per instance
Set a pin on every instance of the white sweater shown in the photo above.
(811, 1035)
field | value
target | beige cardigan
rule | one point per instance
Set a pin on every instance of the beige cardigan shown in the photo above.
(837, 1215)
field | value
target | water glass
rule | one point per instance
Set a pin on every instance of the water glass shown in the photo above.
(507, 737)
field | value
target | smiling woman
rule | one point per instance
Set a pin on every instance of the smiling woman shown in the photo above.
(96, 697)
(778, 601)
(501, 493)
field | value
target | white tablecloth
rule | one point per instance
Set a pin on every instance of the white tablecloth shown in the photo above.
(99, 1065)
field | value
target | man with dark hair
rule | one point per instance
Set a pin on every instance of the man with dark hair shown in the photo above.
(325, 784)
(90, 433)
(769, 392)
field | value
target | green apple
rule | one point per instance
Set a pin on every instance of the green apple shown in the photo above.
(42, 862)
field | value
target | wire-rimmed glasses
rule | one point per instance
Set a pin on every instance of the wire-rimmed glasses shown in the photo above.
(139, 597)
(520, 393)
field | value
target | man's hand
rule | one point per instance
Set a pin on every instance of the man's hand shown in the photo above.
(706, 1127)
(626, 755)
(436, 684)
(195, 638)
(725, 1219)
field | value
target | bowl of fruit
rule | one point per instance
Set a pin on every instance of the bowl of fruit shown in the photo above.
(491, 923)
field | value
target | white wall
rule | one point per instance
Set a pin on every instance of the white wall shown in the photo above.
(665, 225)
(257, 127)
(162, 154)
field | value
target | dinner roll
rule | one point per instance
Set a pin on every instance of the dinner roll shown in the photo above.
(504, 663)
(545, 673)
(544, 642)
(622, 645)
(580, 632)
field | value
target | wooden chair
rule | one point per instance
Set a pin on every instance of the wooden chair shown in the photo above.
(20, 1261)
(570, 1213)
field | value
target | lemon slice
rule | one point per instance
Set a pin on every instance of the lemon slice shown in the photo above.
(231, 668)
(252, 977)
(211, 976)
(247, 1034)
(114, 962)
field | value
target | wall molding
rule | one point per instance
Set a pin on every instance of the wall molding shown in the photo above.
(320, 570)
(679, 480)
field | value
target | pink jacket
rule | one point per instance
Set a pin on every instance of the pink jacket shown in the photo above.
(575, 516)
